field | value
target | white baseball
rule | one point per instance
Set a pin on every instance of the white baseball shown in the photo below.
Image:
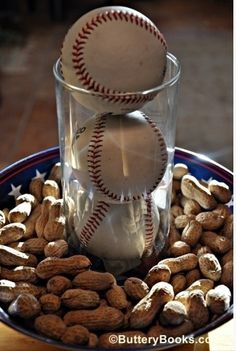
(110, 51)
(122, 157)
(116, 231)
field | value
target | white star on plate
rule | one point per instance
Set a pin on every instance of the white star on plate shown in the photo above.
(208, 180)
(40, 175)
(15, 191)
(231, 202)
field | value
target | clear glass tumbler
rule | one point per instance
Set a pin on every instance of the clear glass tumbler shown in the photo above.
(118, 229)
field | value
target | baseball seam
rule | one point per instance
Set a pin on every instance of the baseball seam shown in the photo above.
(79, 63)
(164, 155)
(149, 226)
(93, 222)
(95, 154)
(100, 212)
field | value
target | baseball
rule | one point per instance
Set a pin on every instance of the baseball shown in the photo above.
(113, 51)
(122, 157)
(116, 232)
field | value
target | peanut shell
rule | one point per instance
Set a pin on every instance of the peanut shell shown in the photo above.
(92, 280)
(135, 288)
(50, 325)
(102, 318)
(77, 299)
(25, 306)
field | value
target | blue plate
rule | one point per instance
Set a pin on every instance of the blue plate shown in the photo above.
(14, 180)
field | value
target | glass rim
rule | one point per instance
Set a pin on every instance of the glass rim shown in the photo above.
(168, 83)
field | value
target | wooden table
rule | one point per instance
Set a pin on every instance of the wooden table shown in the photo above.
(221, 339)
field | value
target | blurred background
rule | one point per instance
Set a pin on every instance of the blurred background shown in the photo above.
(199, 33)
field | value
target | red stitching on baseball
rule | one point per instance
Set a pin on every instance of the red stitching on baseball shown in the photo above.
(149, 226)
(93, 222)
(78, 51)
(94, 23)
(94, 158)
(82, 36)
(164, 154)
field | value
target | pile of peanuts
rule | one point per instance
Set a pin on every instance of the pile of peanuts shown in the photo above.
(65, 300)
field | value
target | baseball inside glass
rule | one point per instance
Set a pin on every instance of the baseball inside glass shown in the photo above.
(117, 170)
